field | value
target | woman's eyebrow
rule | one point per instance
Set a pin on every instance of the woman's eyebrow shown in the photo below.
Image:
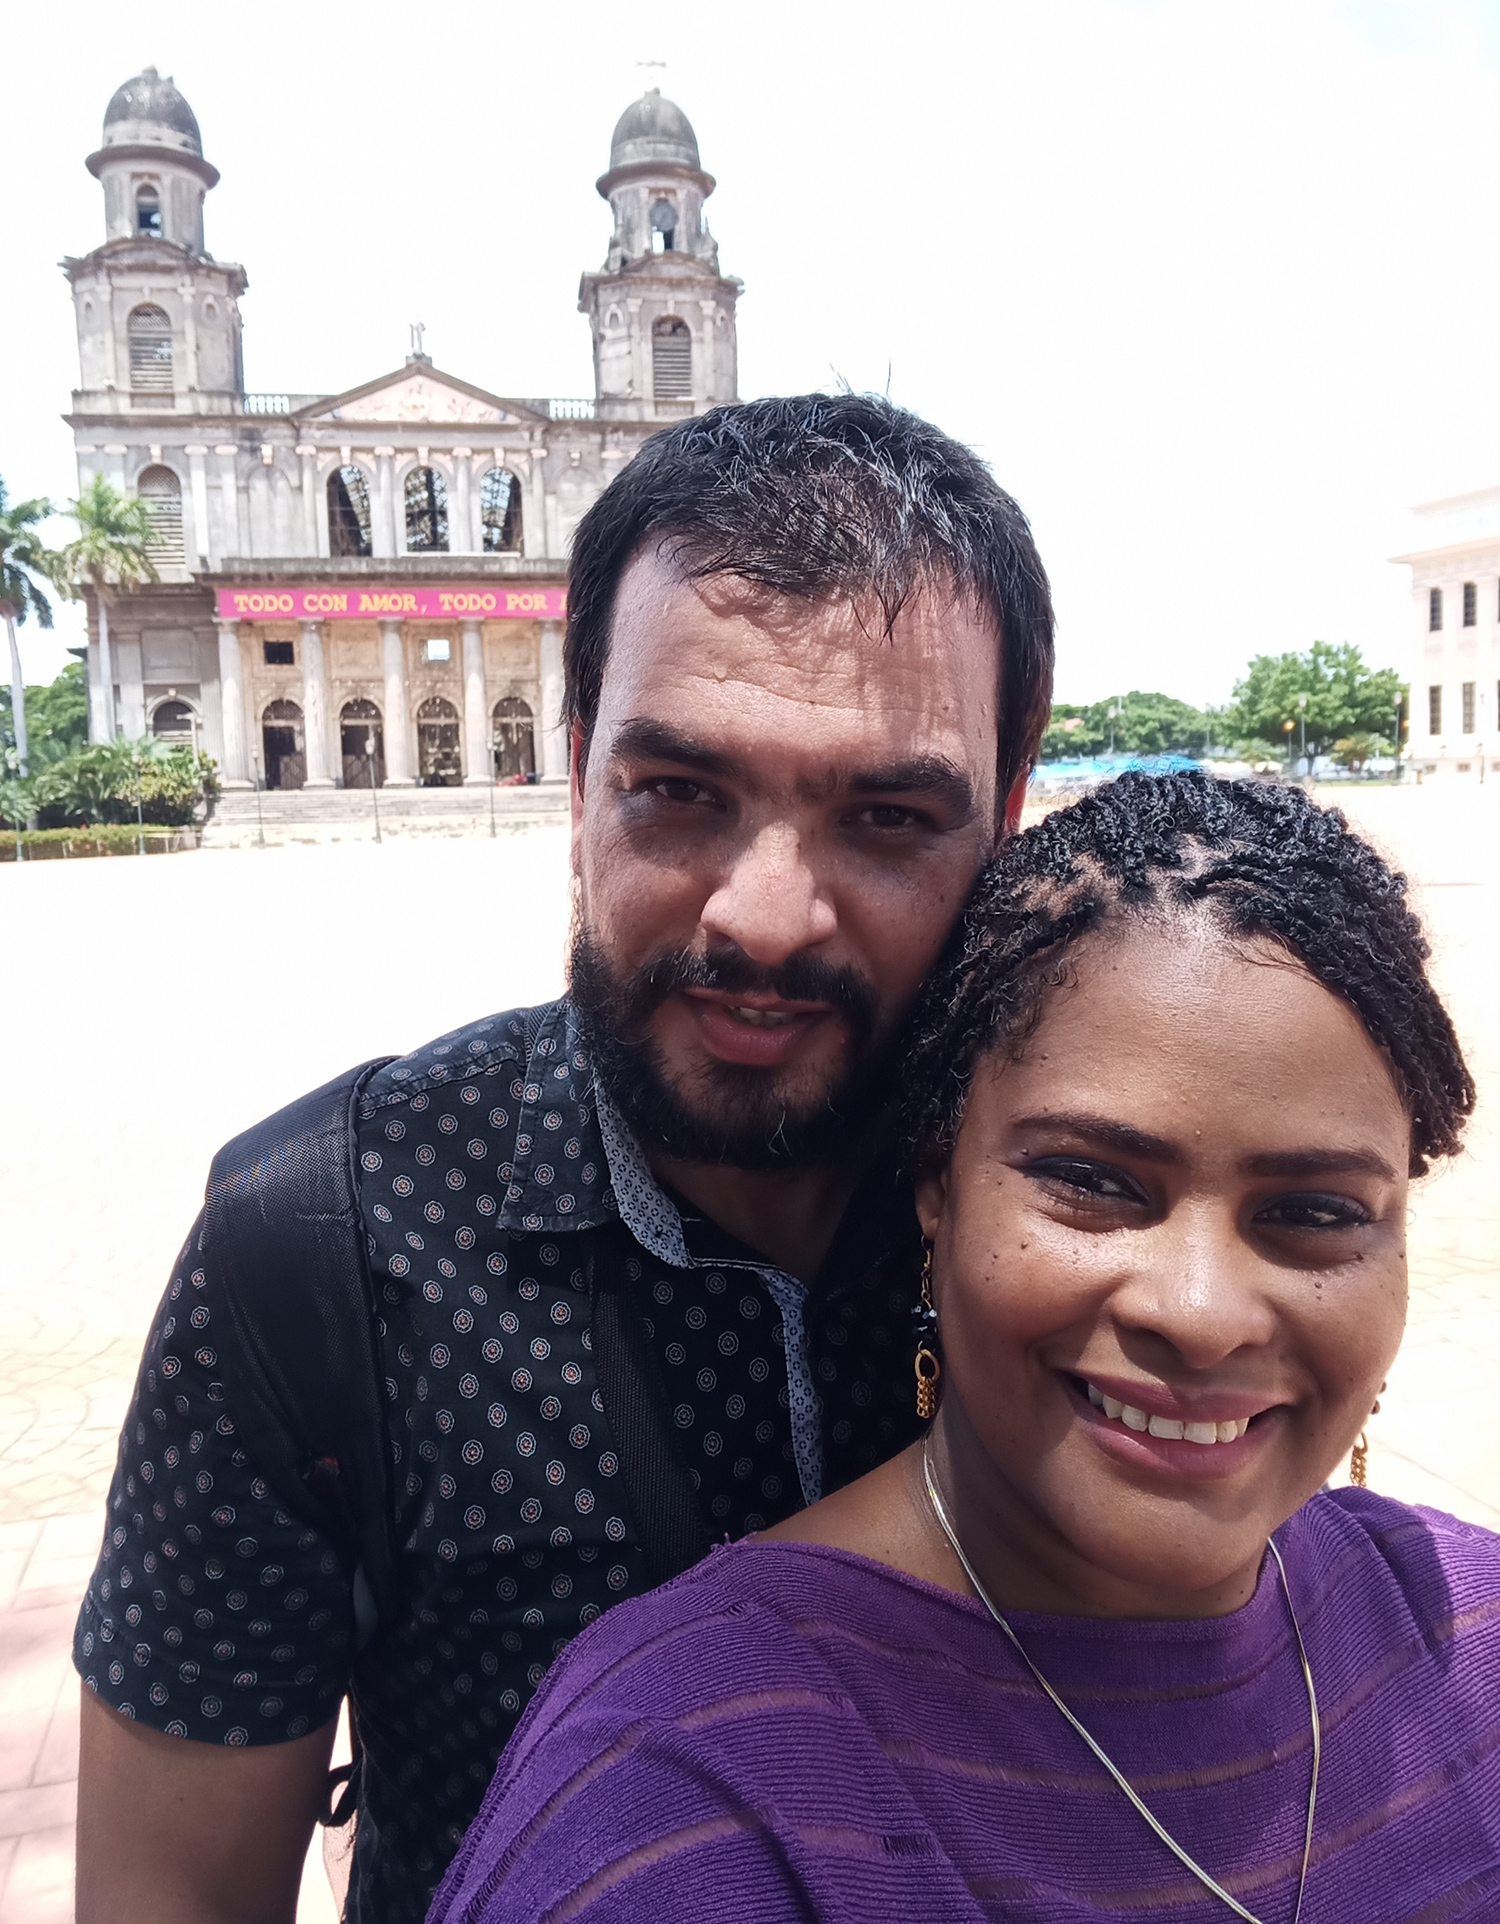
(1119, 1136)
(1321, 1162)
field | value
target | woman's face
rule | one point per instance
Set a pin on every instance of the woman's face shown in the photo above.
(1180, 1216)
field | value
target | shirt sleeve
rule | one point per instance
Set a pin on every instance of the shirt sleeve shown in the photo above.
(212, 1614)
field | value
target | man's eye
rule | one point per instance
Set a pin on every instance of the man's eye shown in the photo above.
(887, 815)
(677, 789)
(1312, 1210)
(1097, 1180)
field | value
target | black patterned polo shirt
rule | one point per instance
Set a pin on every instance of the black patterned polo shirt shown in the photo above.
(493, 1185)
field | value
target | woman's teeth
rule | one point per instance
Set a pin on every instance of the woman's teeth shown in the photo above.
(763, 1018)
(1166, 1426)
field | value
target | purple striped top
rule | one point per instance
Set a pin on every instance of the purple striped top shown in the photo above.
(789, 1733)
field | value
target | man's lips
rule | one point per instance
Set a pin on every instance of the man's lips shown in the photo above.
(755, 1030)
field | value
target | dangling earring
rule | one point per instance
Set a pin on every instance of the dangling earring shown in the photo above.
(928, 1368)
(1359, 1456)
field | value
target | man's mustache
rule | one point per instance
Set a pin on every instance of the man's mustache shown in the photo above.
(728, 970)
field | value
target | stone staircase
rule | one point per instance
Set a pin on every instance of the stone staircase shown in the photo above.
(279, 817)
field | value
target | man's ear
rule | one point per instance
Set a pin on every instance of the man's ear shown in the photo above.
(577, 756)
(933, 1166)
(1015, 801)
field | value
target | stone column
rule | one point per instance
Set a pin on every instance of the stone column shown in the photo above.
(132, 690)
(236, 769)
(383, 533)
(477, 756)
(460, 515)
(554, 734)
(309, 456)
(202, 546)
(229, 489)
(397, 725)
(315, 705)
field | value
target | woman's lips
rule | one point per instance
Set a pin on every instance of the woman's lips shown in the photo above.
(756, 1031)
(1173, 1451)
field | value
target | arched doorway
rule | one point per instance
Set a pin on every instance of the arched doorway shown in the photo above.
(513, 739)
(360, 731)
(439, 764)
(175, 723)
(285, 745)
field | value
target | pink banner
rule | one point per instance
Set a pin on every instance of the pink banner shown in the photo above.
(412, 604)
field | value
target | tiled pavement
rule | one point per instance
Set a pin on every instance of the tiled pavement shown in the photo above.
(152, 1009)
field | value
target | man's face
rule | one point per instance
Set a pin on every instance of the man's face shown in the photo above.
(782, 809)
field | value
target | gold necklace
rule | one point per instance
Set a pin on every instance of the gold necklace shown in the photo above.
(940, 1511)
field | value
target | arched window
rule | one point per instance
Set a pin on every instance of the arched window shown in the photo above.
(161, 491)
(663, 226)
(362, 744)
(513, 739)
(149, 333)
(439, 764)
(348, 512)
(500, 511)
(285, 745)
(426, 512)
(671, 360)
(175, 722)
(148, 211)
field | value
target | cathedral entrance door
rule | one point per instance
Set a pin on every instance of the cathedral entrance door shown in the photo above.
(359, 724)
(440, 764)
(284, 744)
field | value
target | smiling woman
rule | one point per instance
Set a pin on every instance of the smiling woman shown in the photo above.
(1103, 1645)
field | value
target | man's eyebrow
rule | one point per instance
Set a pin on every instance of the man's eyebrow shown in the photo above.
(1119, 1136)
(646, 739)
(932, 776)
(1322, 1162)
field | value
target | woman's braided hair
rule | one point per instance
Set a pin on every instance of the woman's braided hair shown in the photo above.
(1263, 860)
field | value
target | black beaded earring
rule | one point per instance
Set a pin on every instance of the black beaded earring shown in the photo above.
(928, 1367)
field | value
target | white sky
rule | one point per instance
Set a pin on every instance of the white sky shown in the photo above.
(1212, 283)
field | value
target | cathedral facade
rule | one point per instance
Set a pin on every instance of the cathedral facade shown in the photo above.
(367, 586)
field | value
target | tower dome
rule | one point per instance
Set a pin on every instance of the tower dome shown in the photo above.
(149, 112)
(652, 130)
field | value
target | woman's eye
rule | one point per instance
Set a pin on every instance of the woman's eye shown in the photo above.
(1312, 1211)
(1097, 1180)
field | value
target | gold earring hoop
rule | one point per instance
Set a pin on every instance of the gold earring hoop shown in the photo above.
(926, 1364)
(1359, 1456)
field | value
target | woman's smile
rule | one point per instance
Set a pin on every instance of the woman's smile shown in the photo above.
(1152, 1432)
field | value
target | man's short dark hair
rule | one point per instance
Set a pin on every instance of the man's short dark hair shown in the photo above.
(814, 496)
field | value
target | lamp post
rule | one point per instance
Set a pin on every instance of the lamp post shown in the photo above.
(260, 827)
(1286, 729)
(494, 778)
(370, 763)
(1398, 735)
(1302, 723)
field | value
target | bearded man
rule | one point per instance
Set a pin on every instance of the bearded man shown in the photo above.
(636, 1269)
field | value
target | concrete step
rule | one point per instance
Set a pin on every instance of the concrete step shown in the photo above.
(282, 816)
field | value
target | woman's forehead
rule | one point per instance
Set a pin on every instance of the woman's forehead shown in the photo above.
(1205, 1034)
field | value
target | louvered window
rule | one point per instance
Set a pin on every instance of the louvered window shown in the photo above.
(671, 360)
(150, 335)
(1471, 599)
(1435, 709)
(161, 491)
(1467, 699)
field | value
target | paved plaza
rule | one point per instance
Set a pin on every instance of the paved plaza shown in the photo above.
(155, 1007)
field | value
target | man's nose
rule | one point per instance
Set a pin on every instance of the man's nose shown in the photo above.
(770, 903)
(1200, 1288)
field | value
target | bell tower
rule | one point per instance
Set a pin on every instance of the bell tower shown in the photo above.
(158, 317)
(661, 313)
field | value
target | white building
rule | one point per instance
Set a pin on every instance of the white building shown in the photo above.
(1455, 678)
(368, 583)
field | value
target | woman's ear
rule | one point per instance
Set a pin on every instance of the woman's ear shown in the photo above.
(932, 1189)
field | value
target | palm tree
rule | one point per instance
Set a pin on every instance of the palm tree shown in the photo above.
(22, 557)
(111, 552)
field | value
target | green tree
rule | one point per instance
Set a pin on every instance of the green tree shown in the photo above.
(1326, 694)
(124, 781)
(57, 716)
(1142, 723)
(1353, 751)
(22, 559)
(109, 554)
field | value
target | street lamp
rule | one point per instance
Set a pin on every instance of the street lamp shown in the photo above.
(1302, 722)
(1286, 729)
(260, 827)
(1398, 735)
(370, 762)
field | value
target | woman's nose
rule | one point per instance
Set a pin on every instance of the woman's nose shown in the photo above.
(1199, 1287)
(770, 903)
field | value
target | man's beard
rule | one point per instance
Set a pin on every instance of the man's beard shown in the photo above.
(735, 1115)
